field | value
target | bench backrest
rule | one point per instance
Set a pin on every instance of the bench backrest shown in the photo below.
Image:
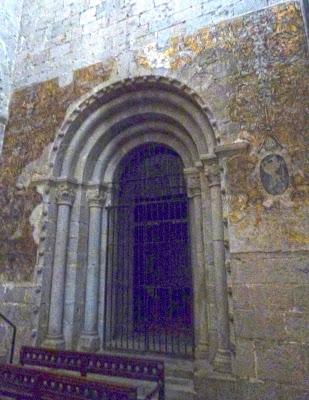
(47, 385)
(103, 364)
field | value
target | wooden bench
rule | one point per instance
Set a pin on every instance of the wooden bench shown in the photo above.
(102, 364)
(23, 383)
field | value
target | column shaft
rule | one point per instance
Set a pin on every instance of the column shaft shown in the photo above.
(220, 271)
(197, 261)
(93, 271)
(89, 340)
(55, 323)
(222, 360)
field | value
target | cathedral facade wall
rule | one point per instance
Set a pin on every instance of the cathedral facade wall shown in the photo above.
(247, 60)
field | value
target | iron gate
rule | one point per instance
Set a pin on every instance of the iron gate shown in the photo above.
(149, 284)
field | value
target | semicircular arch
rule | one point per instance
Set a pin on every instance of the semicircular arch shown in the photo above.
(108, 112)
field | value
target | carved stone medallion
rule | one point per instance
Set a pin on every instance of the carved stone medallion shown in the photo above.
(274, 174)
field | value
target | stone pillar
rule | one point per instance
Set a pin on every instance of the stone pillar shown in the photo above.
(222, 362)
(2, 131)
(193, 180)
(90, 340)
(65, 198)
(5, 81)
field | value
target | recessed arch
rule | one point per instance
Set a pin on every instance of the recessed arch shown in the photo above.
(122, 147)
(107, 112)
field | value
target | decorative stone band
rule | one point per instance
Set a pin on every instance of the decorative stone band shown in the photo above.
(193, 181)
(231, 149)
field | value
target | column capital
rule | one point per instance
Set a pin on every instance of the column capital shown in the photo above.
(212, 172)
(193, 180)
(96, 196)
(65, 193)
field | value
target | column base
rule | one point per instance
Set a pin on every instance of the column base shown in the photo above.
(201, 351)
(54, 342)
(223, 361)
(88, 342)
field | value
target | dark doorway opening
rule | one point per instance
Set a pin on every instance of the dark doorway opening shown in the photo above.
(149, 304)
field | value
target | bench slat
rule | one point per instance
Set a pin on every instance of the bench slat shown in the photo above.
(97, 363)
(46, 385)
(128, 367)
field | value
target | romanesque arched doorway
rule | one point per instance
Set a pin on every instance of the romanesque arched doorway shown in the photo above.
(149, 297)
(87, 163)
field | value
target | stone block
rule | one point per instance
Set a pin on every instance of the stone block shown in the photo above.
(297, 325)
(284, 363)
(142, 6)
(213, 388)
(264, 324)
(88, 16)
(254, 390)
(241, 297)
(15, 294)
(301, 297)
(287, 268)
(187, 13)
(292, 393)
(244, 362)
(262, 296)
(60, 51)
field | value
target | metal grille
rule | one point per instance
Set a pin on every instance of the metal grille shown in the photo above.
(149, 285)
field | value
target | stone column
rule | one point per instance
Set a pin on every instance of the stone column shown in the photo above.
(222, 362)
(90, 340)
(5, 82)
(65, 198)
(2, 131)
(193, 180)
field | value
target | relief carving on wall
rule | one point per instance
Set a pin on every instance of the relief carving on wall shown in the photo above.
(273, 169)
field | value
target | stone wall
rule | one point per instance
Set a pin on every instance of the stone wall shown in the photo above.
(10, 15)
(61, 36)
(251, 72)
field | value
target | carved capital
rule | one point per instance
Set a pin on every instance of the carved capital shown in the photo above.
(193, 182)
(65, 194)
(212, 172)
(96, 197)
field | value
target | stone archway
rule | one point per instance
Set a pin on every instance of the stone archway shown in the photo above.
(87, 150)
